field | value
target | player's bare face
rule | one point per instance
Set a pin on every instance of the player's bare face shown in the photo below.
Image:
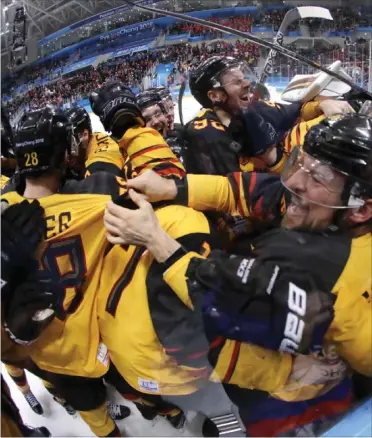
(156, 119)
(84, 138)
(316, 191)
(170, 112)
(237, 88)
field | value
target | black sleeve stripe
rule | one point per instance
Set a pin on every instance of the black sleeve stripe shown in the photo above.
(101, 166)
(234, 185)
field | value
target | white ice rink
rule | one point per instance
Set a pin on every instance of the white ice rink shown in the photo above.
(61, 424)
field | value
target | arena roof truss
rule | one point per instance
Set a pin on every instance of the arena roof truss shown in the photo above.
(48, 16)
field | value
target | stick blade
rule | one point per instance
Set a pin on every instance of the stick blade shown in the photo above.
(314, 12)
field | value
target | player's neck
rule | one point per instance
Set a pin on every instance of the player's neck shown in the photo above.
(224, 117)
(40, 187)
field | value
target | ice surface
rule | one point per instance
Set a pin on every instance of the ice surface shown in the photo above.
(60, 423)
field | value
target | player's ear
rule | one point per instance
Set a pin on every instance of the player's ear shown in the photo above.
(216, 96)
(362, 214)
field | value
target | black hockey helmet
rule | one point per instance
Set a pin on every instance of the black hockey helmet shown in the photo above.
(163, 92)
(42, 140)
(344, 143)
(207, 76)
(7, 139)
(150, 98)
(79, 119)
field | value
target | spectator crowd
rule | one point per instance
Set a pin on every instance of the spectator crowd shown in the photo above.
(134, 69)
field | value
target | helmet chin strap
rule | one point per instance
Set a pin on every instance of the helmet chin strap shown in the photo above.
(225, 105)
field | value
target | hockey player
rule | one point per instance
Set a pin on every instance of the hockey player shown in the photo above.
(330, 212)
(155, 111)
(42, 141)
(22, 292)
(227, 130)
(70, 349)
(134, 295)
(166, 97)
(96, 151)
(148, 151)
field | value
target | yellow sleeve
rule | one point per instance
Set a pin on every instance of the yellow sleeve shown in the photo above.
(351, 335)
(147, 149)
(176, 279)
(252, 367)
(211, 192)
(296, 136)
(310, 110)
(245, 365)
(103, 153)
(4, 180)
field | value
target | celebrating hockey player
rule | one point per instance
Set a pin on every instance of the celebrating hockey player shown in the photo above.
(97, 151)
(325, 199)
(153, 111)
(228, 130)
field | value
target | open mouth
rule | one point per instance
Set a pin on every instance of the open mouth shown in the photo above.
(298, 207)
(245, 97)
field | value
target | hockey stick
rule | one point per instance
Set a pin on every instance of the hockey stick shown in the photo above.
(363, 94)
(291, 16)
(180, 97)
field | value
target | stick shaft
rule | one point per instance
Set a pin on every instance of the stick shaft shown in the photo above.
(283, 50)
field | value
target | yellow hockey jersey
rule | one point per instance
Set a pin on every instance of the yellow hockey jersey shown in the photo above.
(103, 154)
(73, 253)
(263, 196)
(132, 301)
(147, 149)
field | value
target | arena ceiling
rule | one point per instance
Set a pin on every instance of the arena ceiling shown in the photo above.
(48, 16)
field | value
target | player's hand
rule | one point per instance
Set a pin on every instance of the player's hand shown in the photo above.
(22, 229)
(131, 227)
(30, 308)
(153, 186)
(311, 377)
(116, 106)
(254, 134)
(331, 107)
(310, 371)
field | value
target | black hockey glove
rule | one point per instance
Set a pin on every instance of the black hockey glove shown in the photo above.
(254, 134)
(30, 308)
(256, 301)
(116, 106)
(22, 229)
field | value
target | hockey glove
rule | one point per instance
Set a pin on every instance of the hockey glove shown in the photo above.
(116, 106)
(31, 308)
(255, 301)
(22, 229)
(254, 134)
